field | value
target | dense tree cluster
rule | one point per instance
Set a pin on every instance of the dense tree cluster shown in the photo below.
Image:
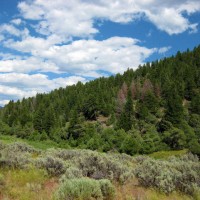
(156, 107)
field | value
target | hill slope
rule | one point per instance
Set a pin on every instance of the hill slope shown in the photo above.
(156, 107)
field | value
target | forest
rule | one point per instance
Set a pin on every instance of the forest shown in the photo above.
(154, 108)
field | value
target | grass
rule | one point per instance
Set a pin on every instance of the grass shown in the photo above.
(25, 185)
(167, 154)
(43, 145)
(132, 191)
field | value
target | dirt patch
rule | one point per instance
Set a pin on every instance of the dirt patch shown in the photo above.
(50, 186)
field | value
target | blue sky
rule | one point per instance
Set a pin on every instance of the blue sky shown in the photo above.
(46, 44)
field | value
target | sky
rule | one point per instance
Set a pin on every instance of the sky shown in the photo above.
(47, 44)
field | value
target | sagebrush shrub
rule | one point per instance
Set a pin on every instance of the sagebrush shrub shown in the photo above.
(97, 165)
(2, 181)
(107, 189)
(177, 173)
(54, 166)
(13, 157)
(70, 173)
(21, 147)
(2, 145)
(85, 189)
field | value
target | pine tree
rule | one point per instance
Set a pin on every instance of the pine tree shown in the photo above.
(126, 118)
(195, 104)
(174, 107)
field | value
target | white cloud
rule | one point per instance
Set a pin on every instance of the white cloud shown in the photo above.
(7, 28)
(164, 50)
(30, 64)
(76, 18)
(11, 30)
(3, 102)
(113, 55)
(15, 92)
(18, 85)
(17, 21)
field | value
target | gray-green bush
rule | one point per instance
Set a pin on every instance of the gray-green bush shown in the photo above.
(98, 165)
(85, 189)
(54, 166)
(181, 174)
(71, 172)
(16, 155)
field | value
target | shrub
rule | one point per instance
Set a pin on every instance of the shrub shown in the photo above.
(21, 147)
(97, 165)
(152, 173)
(85, 189)
(54, 166)
(177, 173)
(70, 173)
(107, 189)
(2, 145)
(15, 155)
(2, 181)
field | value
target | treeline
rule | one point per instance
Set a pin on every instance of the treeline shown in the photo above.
(156, 107)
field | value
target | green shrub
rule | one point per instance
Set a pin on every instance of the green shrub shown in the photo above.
(85, 189)
(107, 189)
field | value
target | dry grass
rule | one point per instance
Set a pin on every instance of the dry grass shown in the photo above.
(32, 184)
(132, 191)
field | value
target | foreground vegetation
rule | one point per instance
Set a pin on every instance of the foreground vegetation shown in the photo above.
(28, 173)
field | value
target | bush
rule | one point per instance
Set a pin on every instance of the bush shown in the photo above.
(85, 189)
(97, 165)
(2, 181)
(2, 145)
(107, 189)
(152, 173)
(16, 155)
(21, 147)
(54, 166)
(177, 173)
(70, 173)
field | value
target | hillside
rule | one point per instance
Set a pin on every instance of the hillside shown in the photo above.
(156, 107)
(29, 173)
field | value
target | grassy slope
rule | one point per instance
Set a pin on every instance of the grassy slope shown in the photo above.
(35, 184)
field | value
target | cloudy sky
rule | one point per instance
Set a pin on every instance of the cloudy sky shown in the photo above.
(47, 44)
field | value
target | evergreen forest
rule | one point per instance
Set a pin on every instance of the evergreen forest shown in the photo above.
(154, 108)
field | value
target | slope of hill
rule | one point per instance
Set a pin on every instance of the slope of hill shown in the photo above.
(31, 174)
(156, 107)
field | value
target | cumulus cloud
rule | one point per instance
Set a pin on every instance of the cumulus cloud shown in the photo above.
(18, 85)
(84, 57)
(30, 64)
(58, 16)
